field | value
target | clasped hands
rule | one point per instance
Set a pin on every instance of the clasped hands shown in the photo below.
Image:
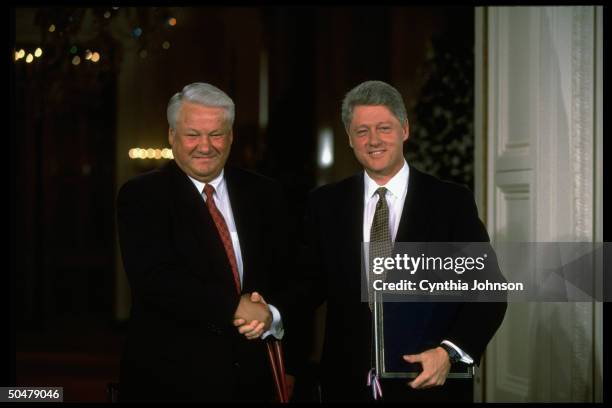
(252, 316)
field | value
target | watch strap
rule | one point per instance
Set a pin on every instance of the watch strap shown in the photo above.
(453, 355)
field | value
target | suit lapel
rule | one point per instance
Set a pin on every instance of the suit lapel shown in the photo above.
(413, 222)
(354, 211)
(414, 227)
(194, 217)
(353, 208)
(190, 203)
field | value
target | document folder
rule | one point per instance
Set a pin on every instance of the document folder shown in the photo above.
(410, 328)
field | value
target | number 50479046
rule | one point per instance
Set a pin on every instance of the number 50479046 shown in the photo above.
(31, 393)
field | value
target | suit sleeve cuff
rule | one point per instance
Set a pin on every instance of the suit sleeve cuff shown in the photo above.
(465, 358)
(276, 328)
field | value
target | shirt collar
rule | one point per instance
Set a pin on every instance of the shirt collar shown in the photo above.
(218, 183)
(396, 185)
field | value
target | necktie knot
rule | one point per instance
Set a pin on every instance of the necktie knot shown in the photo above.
(208, 191)
(381, 191)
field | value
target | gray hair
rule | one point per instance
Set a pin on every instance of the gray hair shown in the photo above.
(373, 93)
(202, 94)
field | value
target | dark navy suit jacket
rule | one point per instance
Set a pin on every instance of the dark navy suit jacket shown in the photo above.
(434, 211)
(181, 345)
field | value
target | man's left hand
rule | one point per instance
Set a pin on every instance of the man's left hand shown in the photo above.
(436, 365)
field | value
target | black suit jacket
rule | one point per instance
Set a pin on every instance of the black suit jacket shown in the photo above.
(434, 211)
(181, 344)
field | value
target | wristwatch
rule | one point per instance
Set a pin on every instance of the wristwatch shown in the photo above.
(453, 355)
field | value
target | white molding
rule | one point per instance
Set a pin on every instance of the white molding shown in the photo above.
(598, 200)
(502, 383)
(544, 132)
(512, 153)
(581, 148)
(512, 186)
(504, 380)
(581, 135)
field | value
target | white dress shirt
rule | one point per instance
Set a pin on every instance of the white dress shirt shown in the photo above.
(222, 202)
(396, 195)
(397, 187)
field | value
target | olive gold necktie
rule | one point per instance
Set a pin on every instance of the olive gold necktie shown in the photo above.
(380, 239)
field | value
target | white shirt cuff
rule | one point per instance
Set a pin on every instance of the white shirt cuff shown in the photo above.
(276, 328)
(465, 358)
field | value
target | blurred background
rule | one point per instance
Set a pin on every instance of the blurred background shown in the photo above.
(91, 87)
(89, 93)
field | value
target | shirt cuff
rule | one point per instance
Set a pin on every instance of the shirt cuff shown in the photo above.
(276, 328)
(465, 358)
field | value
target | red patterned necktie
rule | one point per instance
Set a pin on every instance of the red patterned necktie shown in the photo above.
(223, 232)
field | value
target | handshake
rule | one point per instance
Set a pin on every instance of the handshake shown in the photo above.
(252, 316)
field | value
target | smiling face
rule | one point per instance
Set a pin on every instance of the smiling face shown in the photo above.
(377, 138)
(201, 141)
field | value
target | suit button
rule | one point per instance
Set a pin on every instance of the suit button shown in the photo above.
(236, 364)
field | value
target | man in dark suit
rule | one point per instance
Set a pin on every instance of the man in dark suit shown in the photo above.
(391, 201)
(199, 241)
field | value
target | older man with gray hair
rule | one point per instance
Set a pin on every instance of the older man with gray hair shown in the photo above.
(201, 243)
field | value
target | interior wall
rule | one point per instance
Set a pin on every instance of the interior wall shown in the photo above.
(541, 121)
